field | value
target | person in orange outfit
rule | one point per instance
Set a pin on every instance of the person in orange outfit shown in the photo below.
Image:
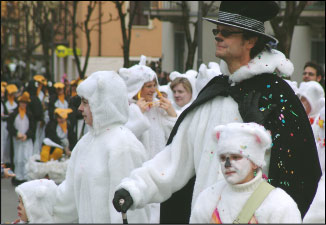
(58, 136)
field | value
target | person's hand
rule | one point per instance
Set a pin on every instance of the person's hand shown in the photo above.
(167, 106)
(67, 151)
(24, 137)
(8, 173)
(249, 109)
(125, 195)
(19, 136)
(143, 105)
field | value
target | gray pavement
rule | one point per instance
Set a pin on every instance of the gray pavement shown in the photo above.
(9, 201)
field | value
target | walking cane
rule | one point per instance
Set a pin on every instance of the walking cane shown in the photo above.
(124, 215)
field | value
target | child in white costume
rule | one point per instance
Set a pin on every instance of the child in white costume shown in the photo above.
(102, 157)
(36, 199)
(241, 148)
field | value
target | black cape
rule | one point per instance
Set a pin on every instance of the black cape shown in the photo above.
(294, 164)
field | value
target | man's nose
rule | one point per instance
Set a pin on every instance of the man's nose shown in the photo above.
(227, 162)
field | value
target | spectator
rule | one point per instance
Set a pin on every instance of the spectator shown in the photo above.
(313, 71)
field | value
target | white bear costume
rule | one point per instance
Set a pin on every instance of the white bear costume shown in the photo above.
(251, 141)
(101, 158)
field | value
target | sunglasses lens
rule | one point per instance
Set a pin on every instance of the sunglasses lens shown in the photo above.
(224, 33)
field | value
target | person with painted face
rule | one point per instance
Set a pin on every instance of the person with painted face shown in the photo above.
(241, 150)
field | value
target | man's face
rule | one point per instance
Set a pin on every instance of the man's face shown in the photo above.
(231, 47)
(236, 169)
(86, 112)
(309, 74)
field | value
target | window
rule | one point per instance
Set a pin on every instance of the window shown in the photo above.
(140, 19)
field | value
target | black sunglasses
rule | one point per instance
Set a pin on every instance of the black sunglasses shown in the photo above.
(225, 33)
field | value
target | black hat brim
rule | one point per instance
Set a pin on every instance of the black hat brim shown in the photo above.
(266, 36)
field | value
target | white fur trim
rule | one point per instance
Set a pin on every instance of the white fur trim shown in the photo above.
(264, 62)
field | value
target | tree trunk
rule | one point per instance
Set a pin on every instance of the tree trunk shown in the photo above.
(284, 26)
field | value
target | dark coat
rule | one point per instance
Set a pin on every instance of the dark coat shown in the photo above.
(11, 127)
(294, 163)
(51, 133)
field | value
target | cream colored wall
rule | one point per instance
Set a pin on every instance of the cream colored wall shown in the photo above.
(147, 41)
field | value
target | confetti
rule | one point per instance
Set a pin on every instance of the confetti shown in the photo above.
(294, 113)
(291, 134)
(262, 109)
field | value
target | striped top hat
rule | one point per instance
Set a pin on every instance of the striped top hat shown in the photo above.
(247, 15)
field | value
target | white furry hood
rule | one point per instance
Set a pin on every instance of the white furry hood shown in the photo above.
(206, 74)
(108, 100)
(136, 76)
(38, 198)
(264, 62)
(191, 76)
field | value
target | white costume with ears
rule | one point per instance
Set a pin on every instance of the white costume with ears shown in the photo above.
(152, 127)
(38, 198)
(206, 74)
(191, 76)
(101, 158)
(223, 201)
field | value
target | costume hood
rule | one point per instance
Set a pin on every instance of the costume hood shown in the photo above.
(206, 74)
(265, 62)
(248, 139)
(38, 197)
(191, 76)
(136, 76)
(107, 97)
(314, 93)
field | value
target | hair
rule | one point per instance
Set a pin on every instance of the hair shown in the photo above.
(260, 45)
(181, 80)
(317, 67)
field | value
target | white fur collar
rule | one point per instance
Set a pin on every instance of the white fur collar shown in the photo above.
(264, 62)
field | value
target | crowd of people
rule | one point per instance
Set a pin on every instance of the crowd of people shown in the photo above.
(232, 142)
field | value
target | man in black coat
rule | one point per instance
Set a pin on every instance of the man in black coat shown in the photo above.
(250, 90)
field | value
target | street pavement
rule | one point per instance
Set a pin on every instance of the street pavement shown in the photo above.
(9, 201)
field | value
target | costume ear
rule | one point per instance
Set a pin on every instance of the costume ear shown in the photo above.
(40, 191)
(257, 139)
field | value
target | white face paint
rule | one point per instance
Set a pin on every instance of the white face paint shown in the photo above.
(236, 169)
